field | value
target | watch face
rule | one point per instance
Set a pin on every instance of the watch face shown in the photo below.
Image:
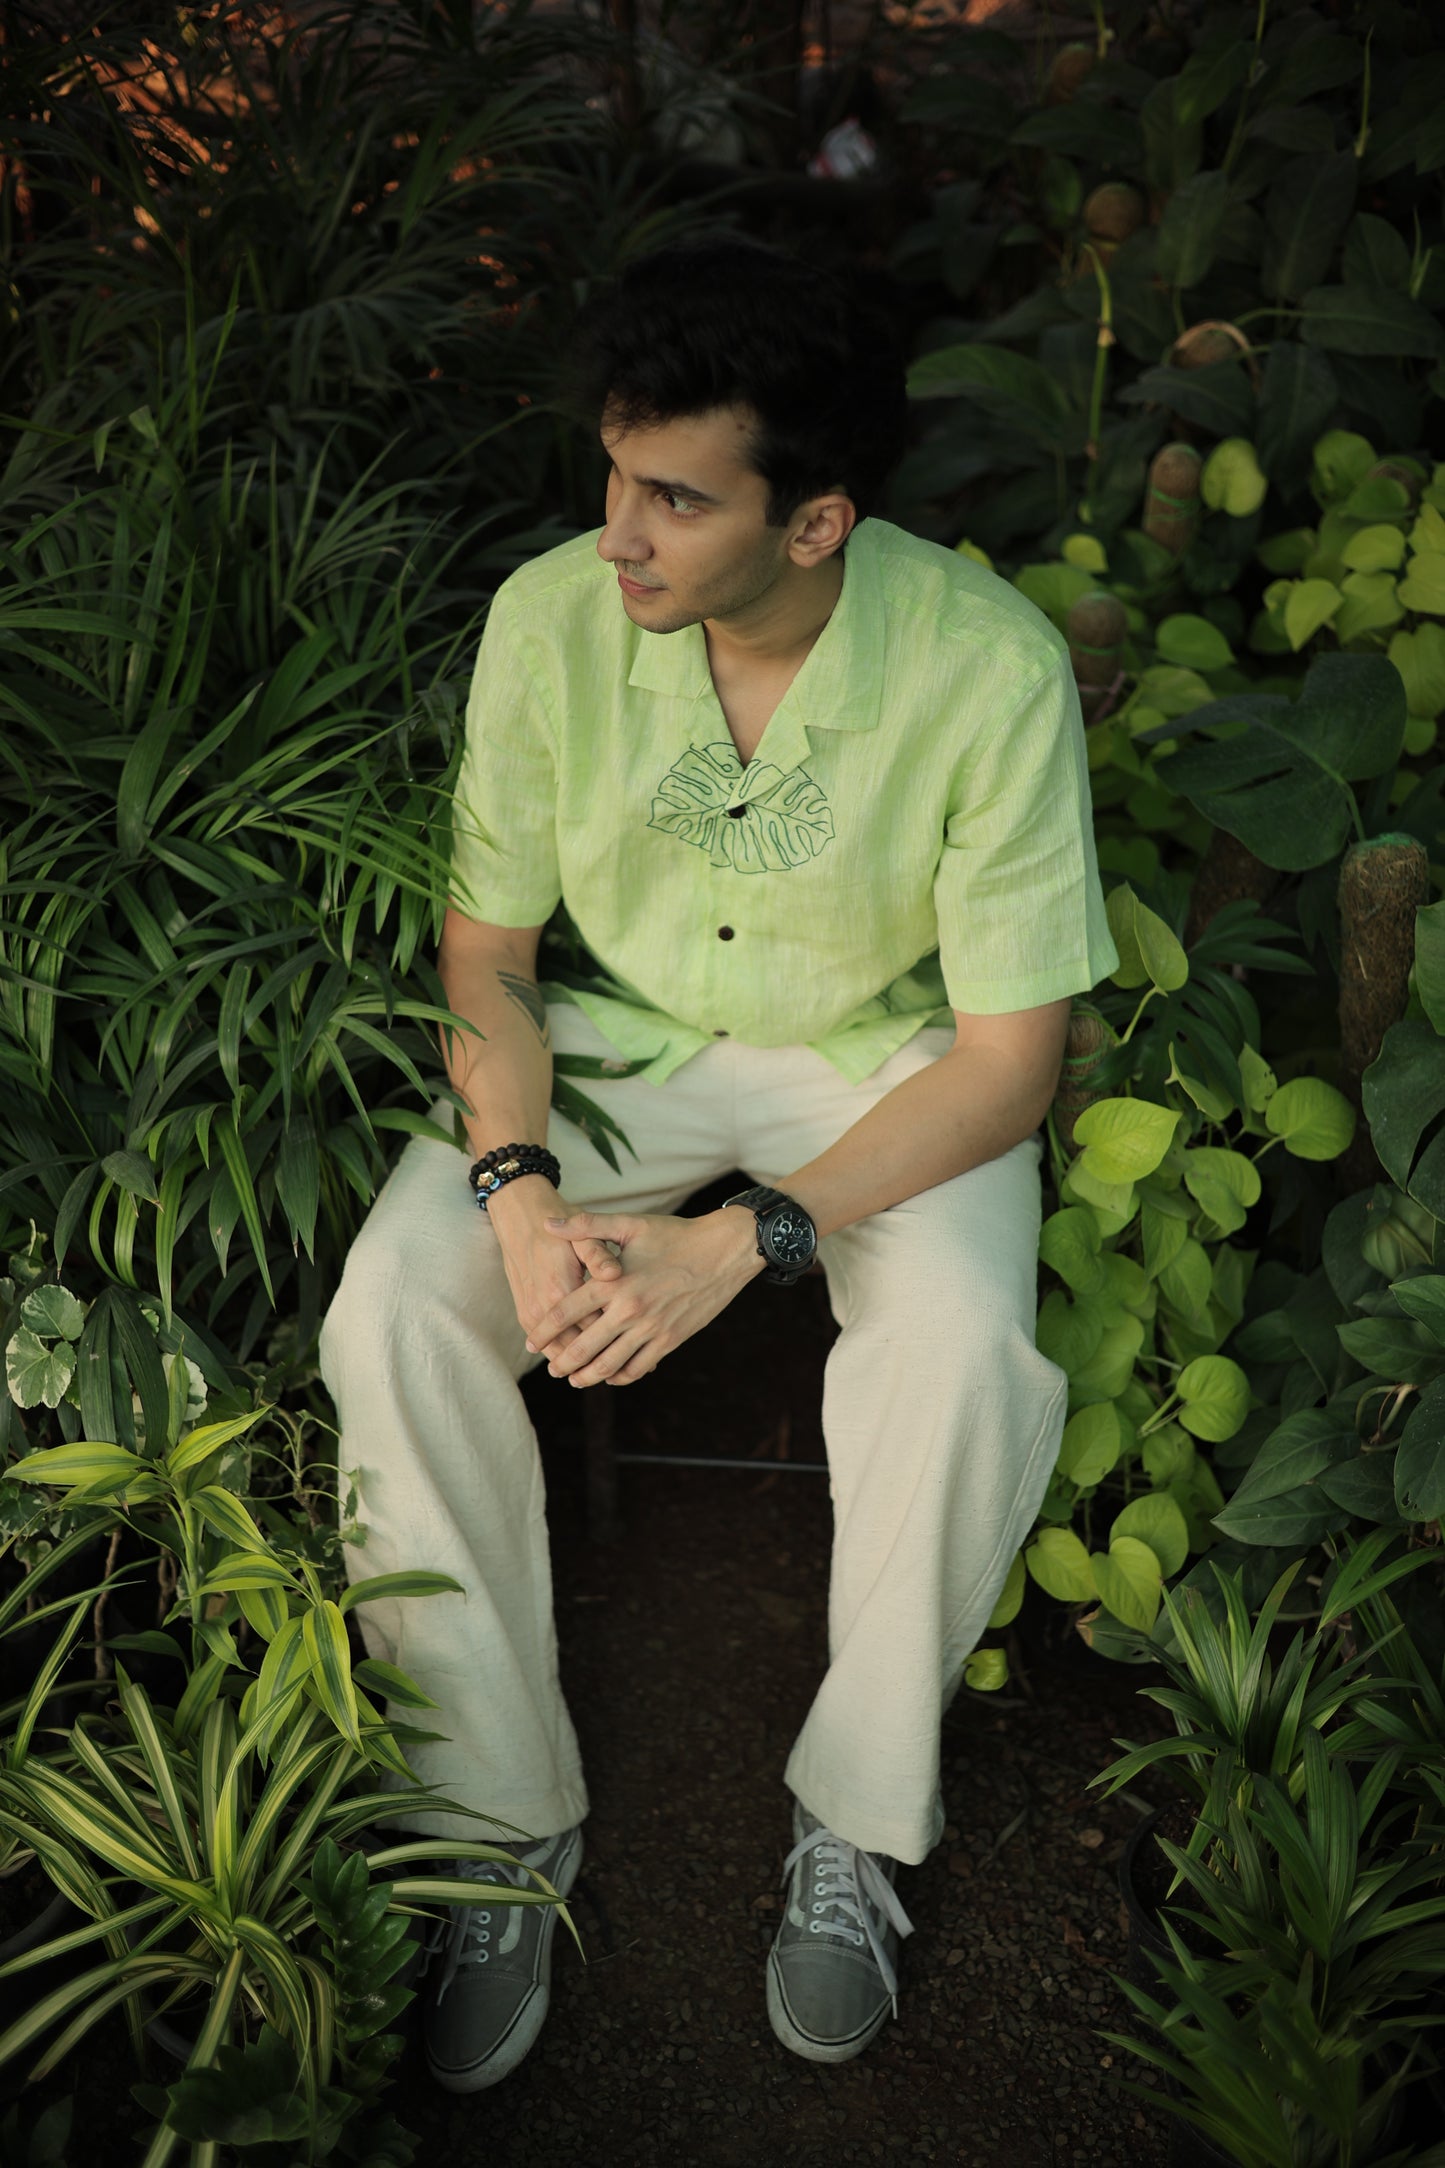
(788, 1236)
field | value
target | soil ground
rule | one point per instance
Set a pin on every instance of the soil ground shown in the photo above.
(690, 1650)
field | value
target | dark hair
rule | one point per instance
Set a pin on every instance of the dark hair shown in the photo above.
(726, 321)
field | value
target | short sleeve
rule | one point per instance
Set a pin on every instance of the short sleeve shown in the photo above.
(504, 827)
(1020, 909)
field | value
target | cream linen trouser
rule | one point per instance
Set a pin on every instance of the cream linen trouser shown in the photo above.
(941, 1418)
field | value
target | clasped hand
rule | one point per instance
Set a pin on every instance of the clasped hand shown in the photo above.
(676, 1275)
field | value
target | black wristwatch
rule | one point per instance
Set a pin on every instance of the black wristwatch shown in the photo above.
(787, 1238)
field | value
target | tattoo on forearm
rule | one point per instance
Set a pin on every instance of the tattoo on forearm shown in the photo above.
(527, 995)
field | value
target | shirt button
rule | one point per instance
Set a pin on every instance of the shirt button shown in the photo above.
(725, 933)
(736, 812)
(719, 1034)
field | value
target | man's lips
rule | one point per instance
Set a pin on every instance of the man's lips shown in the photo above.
(636, 587)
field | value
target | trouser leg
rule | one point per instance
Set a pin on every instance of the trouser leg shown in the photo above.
(421, 1351)
(942, 1423)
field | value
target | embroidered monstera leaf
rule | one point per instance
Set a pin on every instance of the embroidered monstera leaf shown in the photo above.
(786, 819)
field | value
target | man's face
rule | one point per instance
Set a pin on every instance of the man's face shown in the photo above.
(687, 521)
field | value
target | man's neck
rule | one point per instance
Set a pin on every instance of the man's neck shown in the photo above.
(779, 635)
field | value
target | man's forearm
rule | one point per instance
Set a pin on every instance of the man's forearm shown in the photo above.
(974, 1104)
(505, 1076)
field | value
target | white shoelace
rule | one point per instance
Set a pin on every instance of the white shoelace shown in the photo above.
(845, 1883)
(464, 1937)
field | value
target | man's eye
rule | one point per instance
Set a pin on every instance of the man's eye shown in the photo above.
(675, 503)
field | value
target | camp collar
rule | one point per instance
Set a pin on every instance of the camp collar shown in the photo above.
(840, 683)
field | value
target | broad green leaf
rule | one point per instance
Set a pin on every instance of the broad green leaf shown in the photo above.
(38, 1375)
(1148, 951)
(1125, 1139)
(1420, 1459)
(1164, 1236)
(1186, 1280)
(1193, 642)
(1068, 1333)
(1391, 1347)
(1424, 1300)
(1108, 1370)
(1286, 553)
(1212, 1102)
(1371, 604)
(1086, 551)
(1368, 320)
(1225, 1184)
(1010, 1596)
(1129, 1582)
(1169, 1455)
(1423, 587)
(52, 1313)
(1297, 397)
(1315, 1120)
(1189, 232)
(1069, 1244)
(1054, 589)
(1112, 1201)
(1232, 481)
(1091, 1444)
(1215, 1393)
(1013, 389)
(1430, 961)
(1060, 1564)
(1173, 690)
(985, 1670)
(1305, 214)
(1375, 549)
(382, 1587)
(1260, 1085)
(1309, 605)
(1157, 1521)
(1419, 656)
(1404, 1094)
(1342, 458)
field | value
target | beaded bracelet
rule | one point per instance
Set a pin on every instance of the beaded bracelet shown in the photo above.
(495, 1169)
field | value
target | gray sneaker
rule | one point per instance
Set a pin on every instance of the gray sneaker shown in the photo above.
(489, 1970)
(831, 1971)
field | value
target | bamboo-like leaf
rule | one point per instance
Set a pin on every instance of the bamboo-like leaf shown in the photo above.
(223, 1511)
(201, 1690)
(330, 1652)
(87, 1462)
(199, 1444)
(140, 1716)
(380, 1587)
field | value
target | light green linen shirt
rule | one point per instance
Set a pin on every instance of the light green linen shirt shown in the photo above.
(913, 834)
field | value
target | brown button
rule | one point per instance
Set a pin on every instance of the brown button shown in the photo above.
(719, 1034)
(725, 933)
(736, 812)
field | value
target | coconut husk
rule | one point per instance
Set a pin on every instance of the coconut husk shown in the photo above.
(1172, 505)
(1090, 1038)
(1403, 471)
(1071, 63)
(1097, 627)
(1112, 212)
(1210, 341)
(1229, 872)
(1382, 882)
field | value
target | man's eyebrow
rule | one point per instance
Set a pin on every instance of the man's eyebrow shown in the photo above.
(680, 489)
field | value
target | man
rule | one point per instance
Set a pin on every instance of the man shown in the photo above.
(814, 793)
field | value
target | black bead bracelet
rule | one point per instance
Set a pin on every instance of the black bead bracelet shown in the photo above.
(507, 1164)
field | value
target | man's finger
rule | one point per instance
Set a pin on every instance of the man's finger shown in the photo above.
(578, 1308)
(594, 1227)
(598, 1259)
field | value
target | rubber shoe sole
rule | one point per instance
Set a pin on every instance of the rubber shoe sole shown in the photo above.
(514, 2044)
(804, 2044)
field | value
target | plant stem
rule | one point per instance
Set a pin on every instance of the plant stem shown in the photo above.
(1137, 1014)
(1102, 344)
(1237, 136)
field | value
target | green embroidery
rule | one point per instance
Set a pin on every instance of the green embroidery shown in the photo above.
(787, 822)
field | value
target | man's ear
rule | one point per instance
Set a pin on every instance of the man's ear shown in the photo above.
(820, 527)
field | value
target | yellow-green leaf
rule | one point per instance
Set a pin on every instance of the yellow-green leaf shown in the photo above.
(1156, 1520)
(1060, 1564)
(1129, 1581)
(1309, 605)
(986, 1670)
(1215, 1393)
(1010, 1596)
(1374, 549)
(198, 1445)
(1091, 1444)
(324, 1630)
(1315, 1120)
(1124, 1139)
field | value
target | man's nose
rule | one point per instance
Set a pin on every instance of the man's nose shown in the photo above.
(622, 540)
